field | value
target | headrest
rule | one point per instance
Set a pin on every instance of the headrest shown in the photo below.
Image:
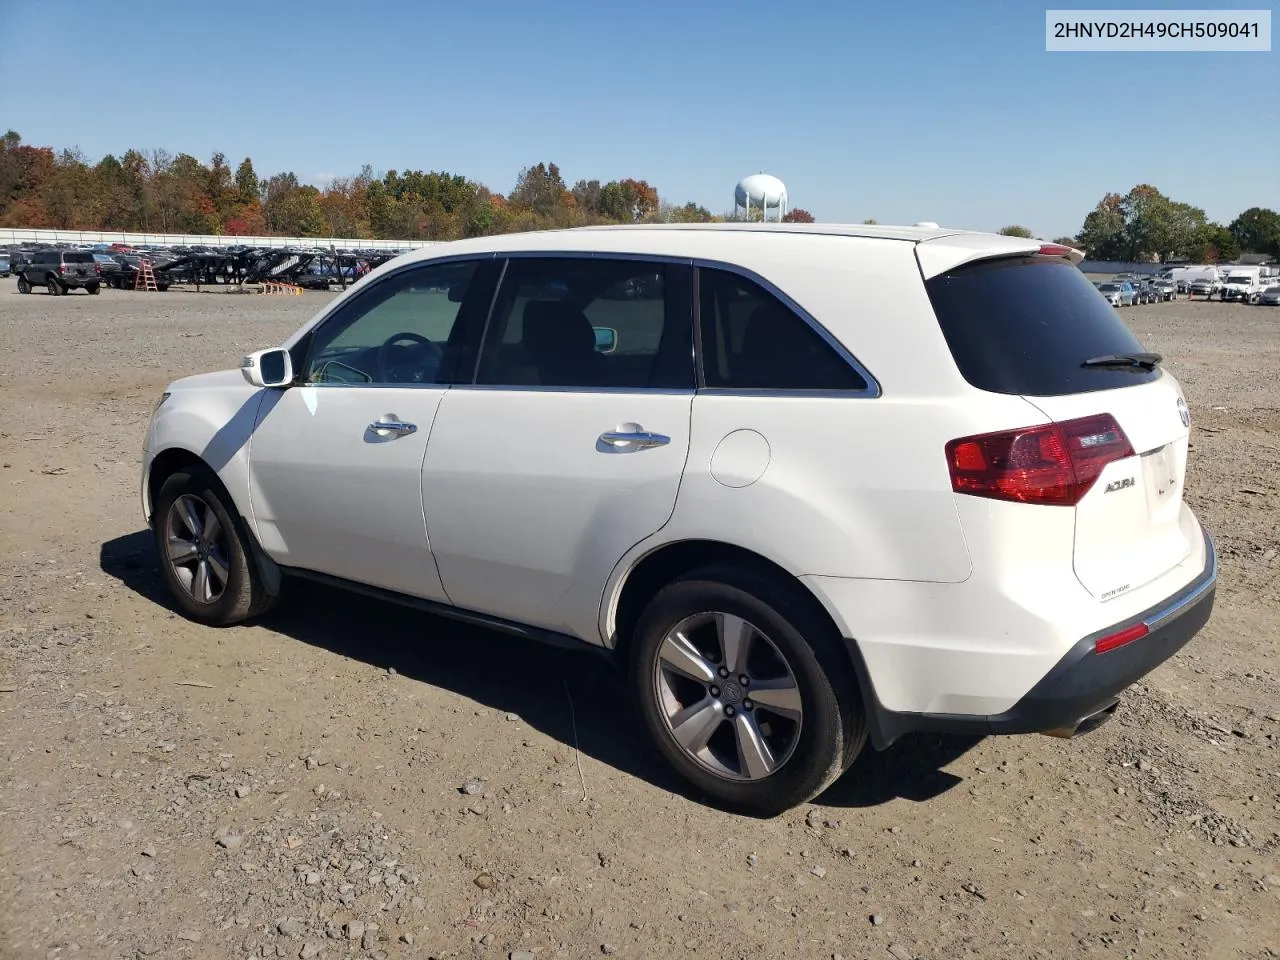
(559, 325)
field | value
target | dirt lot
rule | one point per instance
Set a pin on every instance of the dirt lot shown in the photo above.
(352, 780)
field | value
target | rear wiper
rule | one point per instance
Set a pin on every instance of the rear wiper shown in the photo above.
(1146, 361)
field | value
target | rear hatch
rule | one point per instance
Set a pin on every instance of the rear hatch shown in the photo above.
(79, 266)
(1116, 452)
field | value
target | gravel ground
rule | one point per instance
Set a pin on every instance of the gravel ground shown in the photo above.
(347, 779)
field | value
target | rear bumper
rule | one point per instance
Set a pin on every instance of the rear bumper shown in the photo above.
(1081, 684)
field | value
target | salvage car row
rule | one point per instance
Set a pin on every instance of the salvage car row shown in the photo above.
(62, 269)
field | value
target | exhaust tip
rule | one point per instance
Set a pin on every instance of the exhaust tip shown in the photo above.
(1086, 724)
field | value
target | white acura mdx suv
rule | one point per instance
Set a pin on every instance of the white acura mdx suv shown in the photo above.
(808, 484)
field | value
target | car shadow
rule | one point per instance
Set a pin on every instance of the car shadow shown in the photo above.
(911, 769)
(579, 699)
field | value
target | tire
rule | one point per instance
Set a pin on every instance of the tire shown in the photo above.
(54, 288)
(810, 750)
(23, 285)
(242, 594)
(94, 289)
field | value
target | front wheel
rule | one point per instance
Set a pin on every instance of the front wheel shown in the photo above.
(23, 285)
(205, 555)
(745, 690)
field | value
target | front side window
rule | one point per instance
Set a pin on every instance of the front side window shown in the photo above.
(405, 329)
(590, 322)
(751, 340)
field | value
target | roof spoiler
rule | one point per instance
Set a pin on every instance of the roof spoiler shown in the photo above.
(941, 254)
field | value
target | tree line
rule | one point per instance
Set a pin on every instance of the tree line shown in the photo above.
(157, 192)
(1145, 225)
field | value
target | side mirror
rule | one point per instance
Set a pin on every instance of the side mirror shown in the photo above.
(606, 339)
(268, 368)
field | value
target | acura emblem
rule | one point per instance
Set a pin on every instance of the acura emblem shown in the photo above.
(1184, 413)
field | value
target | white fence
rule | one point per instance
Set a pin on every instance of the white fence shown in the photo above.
(12, 236)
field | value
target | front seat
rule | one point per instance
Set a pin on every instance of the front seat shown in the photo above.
(560, 343)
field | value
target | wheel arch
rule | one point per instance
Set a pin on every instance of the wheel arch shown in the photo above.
(653, 570)
(173, 459)
(164, 465)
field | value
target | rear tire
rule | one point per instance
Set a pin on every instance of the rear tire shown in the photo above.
(758, 757)
(53, 287)
(205, 553)
(94, 289)
(23, 285)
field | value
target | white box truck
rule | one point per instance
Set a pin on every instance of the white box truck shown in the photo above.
(1243, 284)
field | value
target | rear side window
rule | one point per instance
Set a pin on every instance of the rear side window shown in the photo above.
(1026, 325)
(77, 258)
(751, 340)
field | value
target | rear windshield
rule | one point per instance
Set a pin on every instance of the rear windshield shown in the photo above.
(77, 258)
(1025, 325)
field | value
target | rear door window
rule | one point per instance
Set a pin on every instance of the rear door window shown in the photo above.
(591, 322)
(1026, 325)
(77, 258)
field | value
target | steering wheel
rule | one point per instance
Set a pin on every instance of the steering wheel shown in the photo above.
(423, 356)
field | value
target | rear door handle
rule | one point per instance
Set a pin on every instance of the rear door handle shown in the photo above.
(631, 436)
(390, 423)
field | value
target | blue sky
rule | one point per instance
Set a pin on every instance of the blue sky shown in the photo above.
(946, 111)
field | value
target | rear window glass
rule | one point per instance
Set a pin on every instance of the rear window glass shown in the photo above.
(77, 258)
(1026, 325)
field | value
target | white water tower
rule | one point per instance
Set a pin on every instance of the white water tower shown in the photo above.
(762, 192)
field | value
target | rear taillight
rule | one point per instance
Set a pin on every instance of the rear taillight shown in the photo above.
(97, 268)
(1055, 464)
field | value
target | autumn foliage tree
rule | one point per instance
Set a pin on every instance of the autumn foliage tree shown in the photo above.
(155, 191)
(797, 215)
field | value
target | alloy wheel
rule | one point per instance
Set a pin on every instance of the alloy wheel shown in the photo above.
(196, 549)
(728, 696)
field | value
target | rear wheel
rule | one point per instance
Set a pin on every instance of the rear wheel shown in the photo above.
(94, 288)
(205, 554)
(54, 287)
(745, 690)
(23, 285)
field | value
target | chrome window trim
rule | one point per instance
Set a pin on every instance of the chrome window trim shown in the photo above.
(373, 386)
(778, 393)
(594, 255)
(537, 388)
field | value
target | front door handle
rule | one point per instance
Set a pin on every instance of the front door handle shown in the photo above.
(390, 423)
(631, 436)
